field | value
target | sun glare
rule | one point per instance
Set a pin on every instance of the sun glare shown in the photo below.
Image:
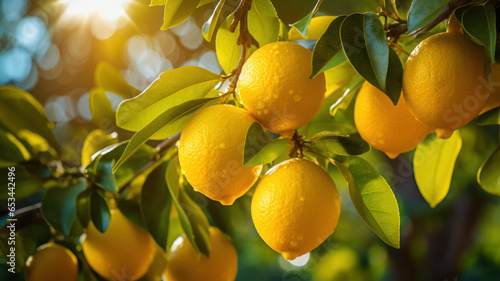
(108, 10)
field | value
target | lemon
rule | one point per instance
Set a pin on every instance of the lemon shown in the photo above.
(52, 262)
(211, 153)
(494, 100)
(388, 128)
(183, 265)
(295, 207)
(444, 81)
(123, 252)
(274, 86)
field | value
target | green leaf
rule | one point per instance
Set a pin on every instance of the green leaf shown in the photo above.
(479, 22)
(172, 88)
(491, 117)
(424, 11)
(95, 141)
(23, 116)
(176, 11)
(330, 144)
(59, 205)
(228, 52)
(433, 164)
(103, 176)
(208, 27)
(27, 181)
(99, 212)
(195, 225)
(174, 119)
(205, 2)
(12, 149)
(260, 148)
(303, 24)
(101, 109)
(365, 45)
(373, 199)
(83, 207)
(263, 22)
(158, 2)
(155, 205)
(110, 80)
(394, 77)
(328, 51)
(488, 175)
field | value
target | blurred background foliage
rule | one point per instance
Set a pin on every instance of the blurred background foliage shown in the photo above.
(50, 50)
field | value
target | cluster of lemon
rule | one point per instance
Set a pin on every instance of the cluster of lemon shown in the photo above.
(446, 84)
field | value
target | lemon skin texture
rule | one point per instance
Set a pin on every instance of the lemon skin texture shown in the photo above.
(52, 262)
(444, 82)
(295, 207)
(274, 86)
(183, 265)
(386, 127)
(211, 153)
(123, 252)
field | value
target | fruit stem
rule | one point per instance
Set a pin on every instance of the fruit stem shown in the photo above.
(297, 141)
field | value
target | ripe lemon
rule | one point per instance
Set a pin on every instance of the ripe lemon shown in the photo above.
(295, 207)
(274, 86)
(123, 252)
(211, 153)
(388, 128)
(444, 82)
(183, 264)
(494, 100)
(52, 262)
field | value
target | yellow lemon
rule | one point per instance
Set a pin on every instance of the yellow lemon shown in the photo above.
(388, 128)
(494, 100)
(211, 153)
(183, 265)
(123, 252)
(52, 262)
(444, 81)
(295, 207)
(274, 86)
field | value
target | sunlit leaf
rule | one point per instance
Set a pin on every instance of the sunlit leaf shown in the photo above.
(95, 141)
(176, 11)
(12, 149)
(424, 11)
(260, 148)
(330, 144)
(433, 164)
(263, 22)
(373, 198)
(328, 51)
(228, 52)
(99, 212)
(109, 79)
(208, 27)
(59, 205)
(488, 175)
(101, 109)
(172, 88)
(303, 23)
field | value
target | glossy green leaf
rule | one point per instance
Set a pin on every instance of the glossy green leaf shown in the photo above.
(365, 45)
(176, 11)
(101, 109)
(208, 27)
(109, 79)
(83, 207)
(303, 23)
(103, 176)
(260, 148)
(488, 175)
(394, 77)
(23, 116)
(12, 149)
(328, 51)
(99, 212)
(330, 144)
(174, 119)
(491, 117)
(424, 11)
(59, 205)
(172, 88)
(433, 164)
(94, 142)
(479, 22)
(156, 203)
(373, 198)
(263, 22)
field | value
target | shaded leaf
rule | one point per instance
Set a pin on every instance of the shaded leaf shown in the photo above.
(260, 148)
(433, 164)
(176, 11)
(488, 175)
(103, 176)
(373, 199)
(175, 118)
(95, 141)
(303, 23)
(172, 88)
(394, 77)
(330, 144)
(83, 207)
(101, 109)
(208, 27)
(99, 212)
(109, 79)
(59, 205)
(328, 51)
(12, 150)
(479, 22)
(424, 11)
(491, 117)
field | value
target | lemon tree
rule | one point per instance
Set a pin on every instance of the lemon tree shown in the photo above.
(286, 137)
